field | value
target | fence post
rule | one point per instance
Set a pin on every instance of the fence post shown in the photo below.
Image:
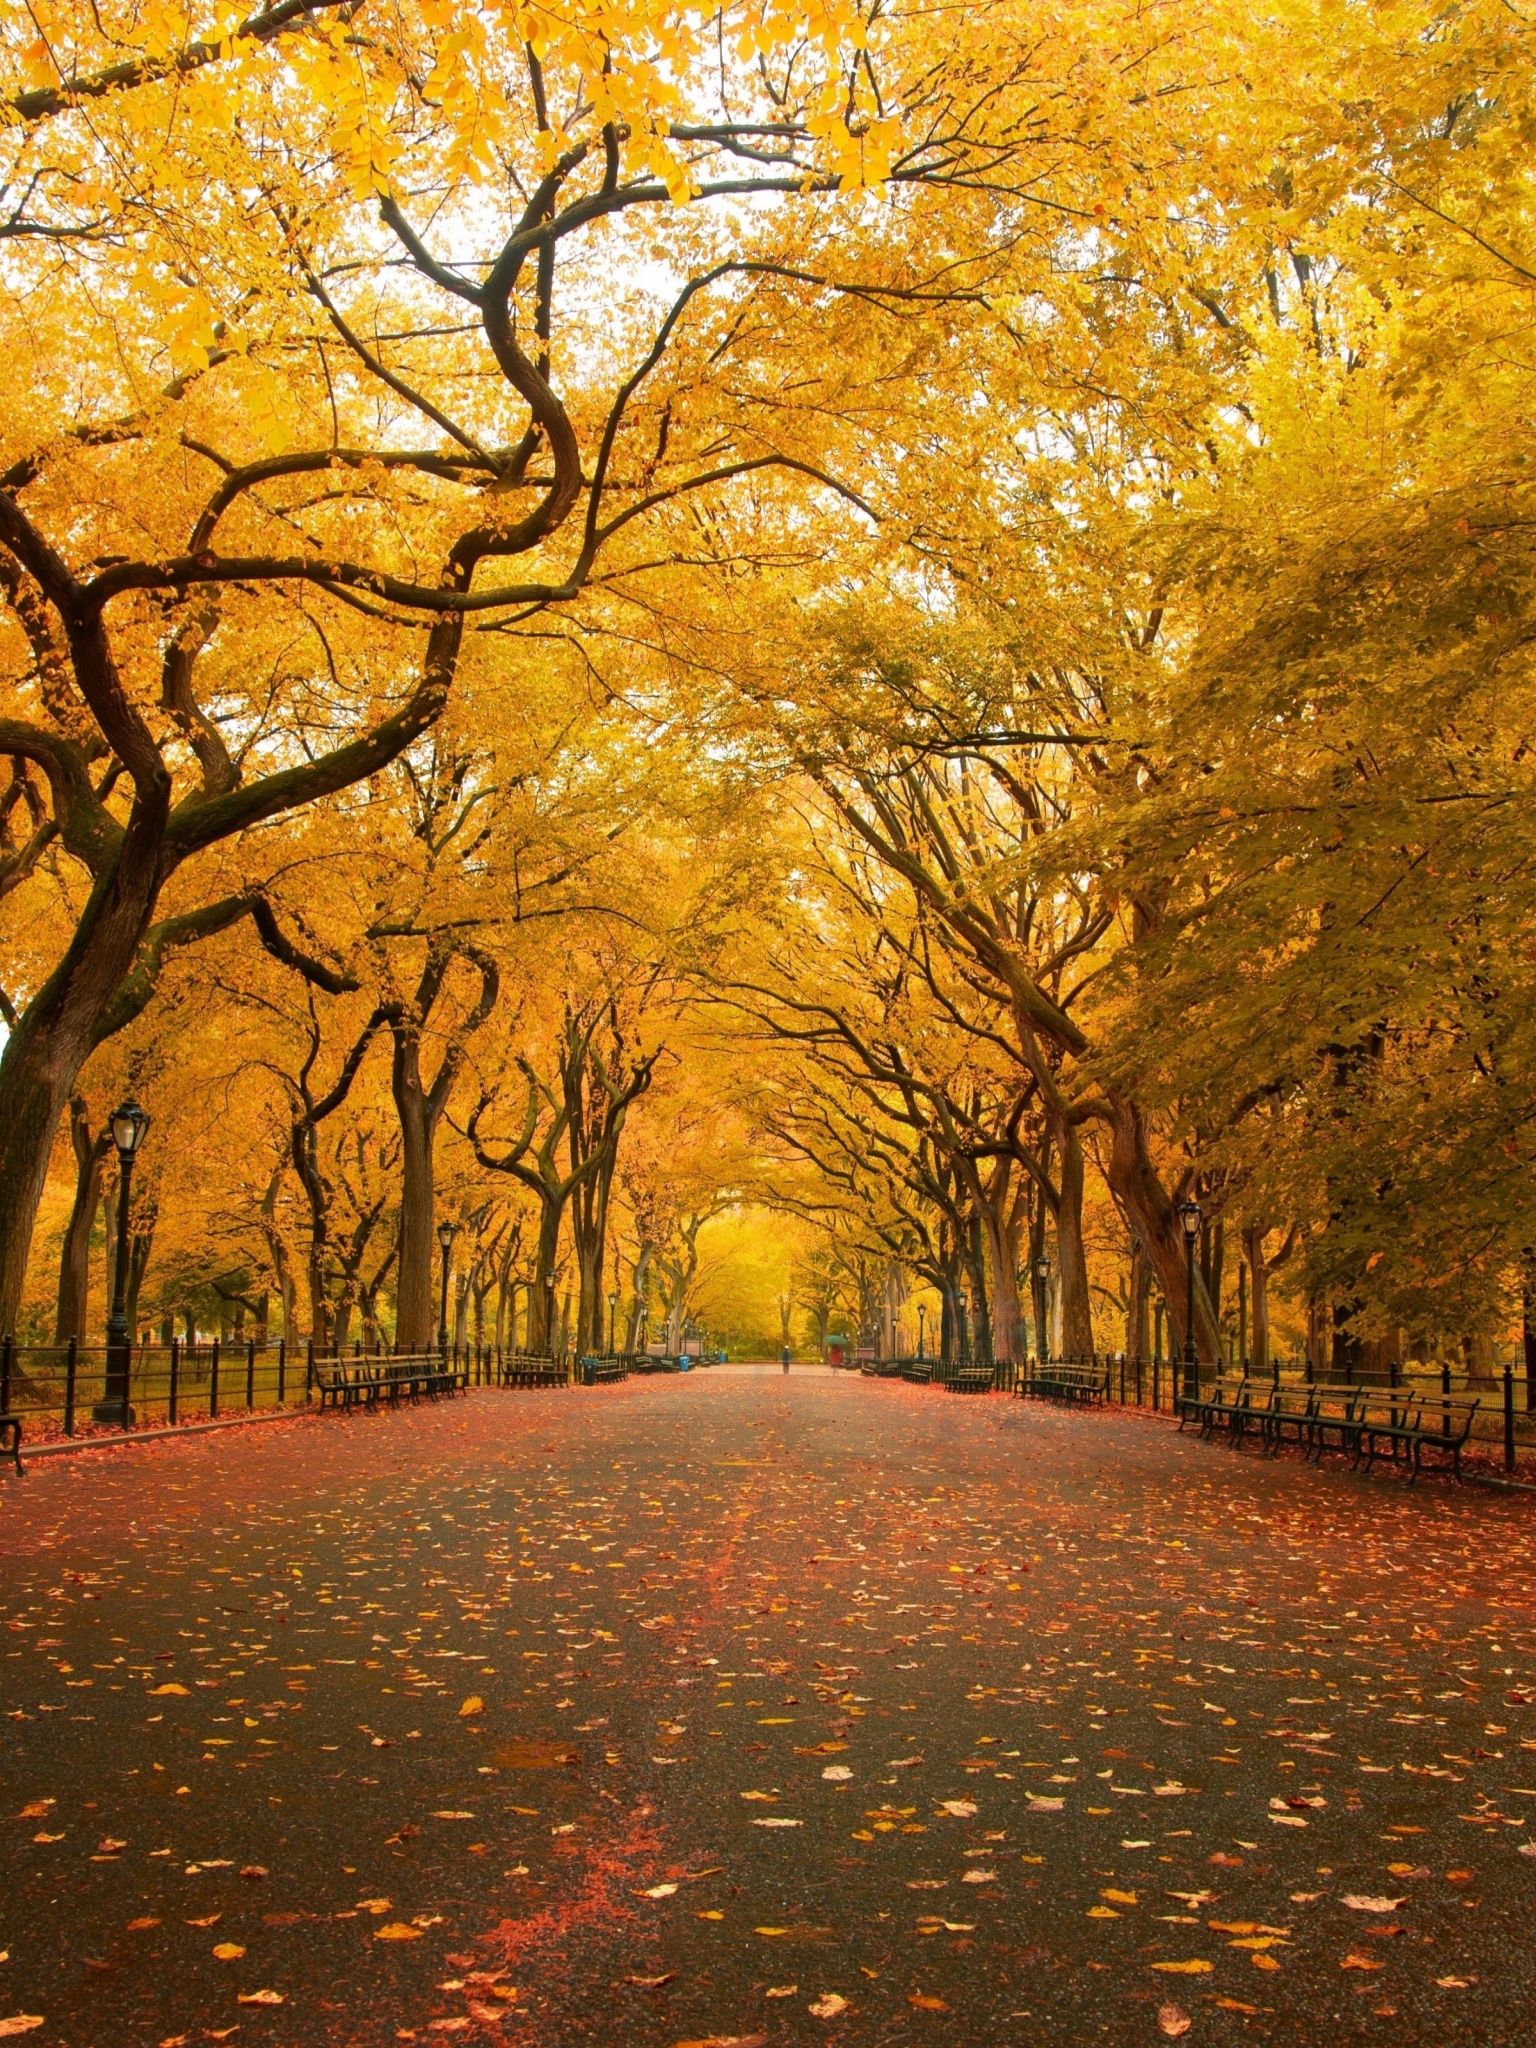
(175, 1388)
(69, 1387)
(1509, 1415)
(250, 1374)
(213, 1382)
(1157, 1378)
(282, 1370)
(309, 1369)
(7, 1355)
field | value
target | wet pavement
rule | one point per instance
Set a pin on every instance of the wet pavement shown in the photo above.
(726, 1708)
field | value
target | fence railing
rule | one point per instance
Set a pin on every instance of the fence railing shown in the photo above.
(1505, 1420)
(55, 1388)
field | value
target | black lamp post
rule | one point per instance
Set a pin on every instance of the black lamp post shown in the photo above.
(613, 1311)
(1189, 1216)
(128, 1125)
(446, 1233)
(1042, 1281)
(922, 1317)
(549, 1313)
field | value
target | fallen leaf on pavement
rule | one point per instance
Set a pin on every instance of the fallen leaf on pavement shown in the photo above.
(1173, 2022)
(962, 1809)
(1196, 1967)
(227, 1951)
(20, 2023)
(473, 1705)
(925, 2002)
(657, 1891)
(397, 1930)
(1359, 1962)
(781, 1991)
(651, 1983)
(260, 1998)
(1361, 1904)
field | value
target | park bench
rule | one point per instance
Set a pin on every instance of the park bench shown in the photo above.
(1389, 1423)
(598, 1372)
(10, 1439)
(1072, 1382)
(365, 1381)
(917, 1373)
(973, 1379)
(893, 1368)
(1331, 1423)
(1288, 1418)
(1236, 1402)
(528, 1369)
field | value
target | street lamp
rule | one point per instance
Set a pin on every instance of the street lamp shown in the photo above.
(1042, 1281)
(613, 1310)
(549, 1313)
(128, 1125)
(1189, 1216)
(922, 1317)
(446, 1233)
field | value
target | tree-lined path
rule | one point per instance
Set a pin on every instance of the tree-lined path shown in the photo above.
(740, 1709)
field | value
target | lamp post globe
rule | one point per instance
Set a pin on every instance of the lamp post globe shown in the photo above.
(922, 1318)
(1190, 1220)
(613, 1310)
(127, 1123)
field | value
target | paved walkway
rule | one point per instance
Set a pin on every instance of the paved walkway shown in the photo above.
(726, 1708)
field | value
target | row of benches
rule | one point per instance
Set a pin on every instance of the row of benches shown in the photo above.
(922, 1372)
(1367, 1422)
(364, 1382)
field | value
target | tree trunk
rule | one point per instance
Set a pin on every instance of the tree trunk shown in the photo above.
(72, 1318)
(1258, 1295)
(306, 1164)
(641, 1295)
(1136, 1183)
(415, 1310)
(277, 1252)
(541, 1293)
(977, 1266)
(1138, 1294)
(1072, 1263)
(58, 1030)
(141, 1241)
(1037, 1287)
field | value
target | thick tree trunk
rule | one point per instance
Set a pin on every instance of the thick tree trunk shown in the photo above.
(306, 1165)
(72, 1317)
(415, 1305)
(1071, 1259)
(976, 1265)
(59, 1029)
(640, 1297)
(1039, 1299)
(1258, 1297)
(541, 1294)
(1138, 1294)
(1136, 1183)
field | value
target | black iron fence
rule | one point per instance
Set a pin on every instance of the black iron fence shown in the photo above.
(1505, 1422)
(56, 1388)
